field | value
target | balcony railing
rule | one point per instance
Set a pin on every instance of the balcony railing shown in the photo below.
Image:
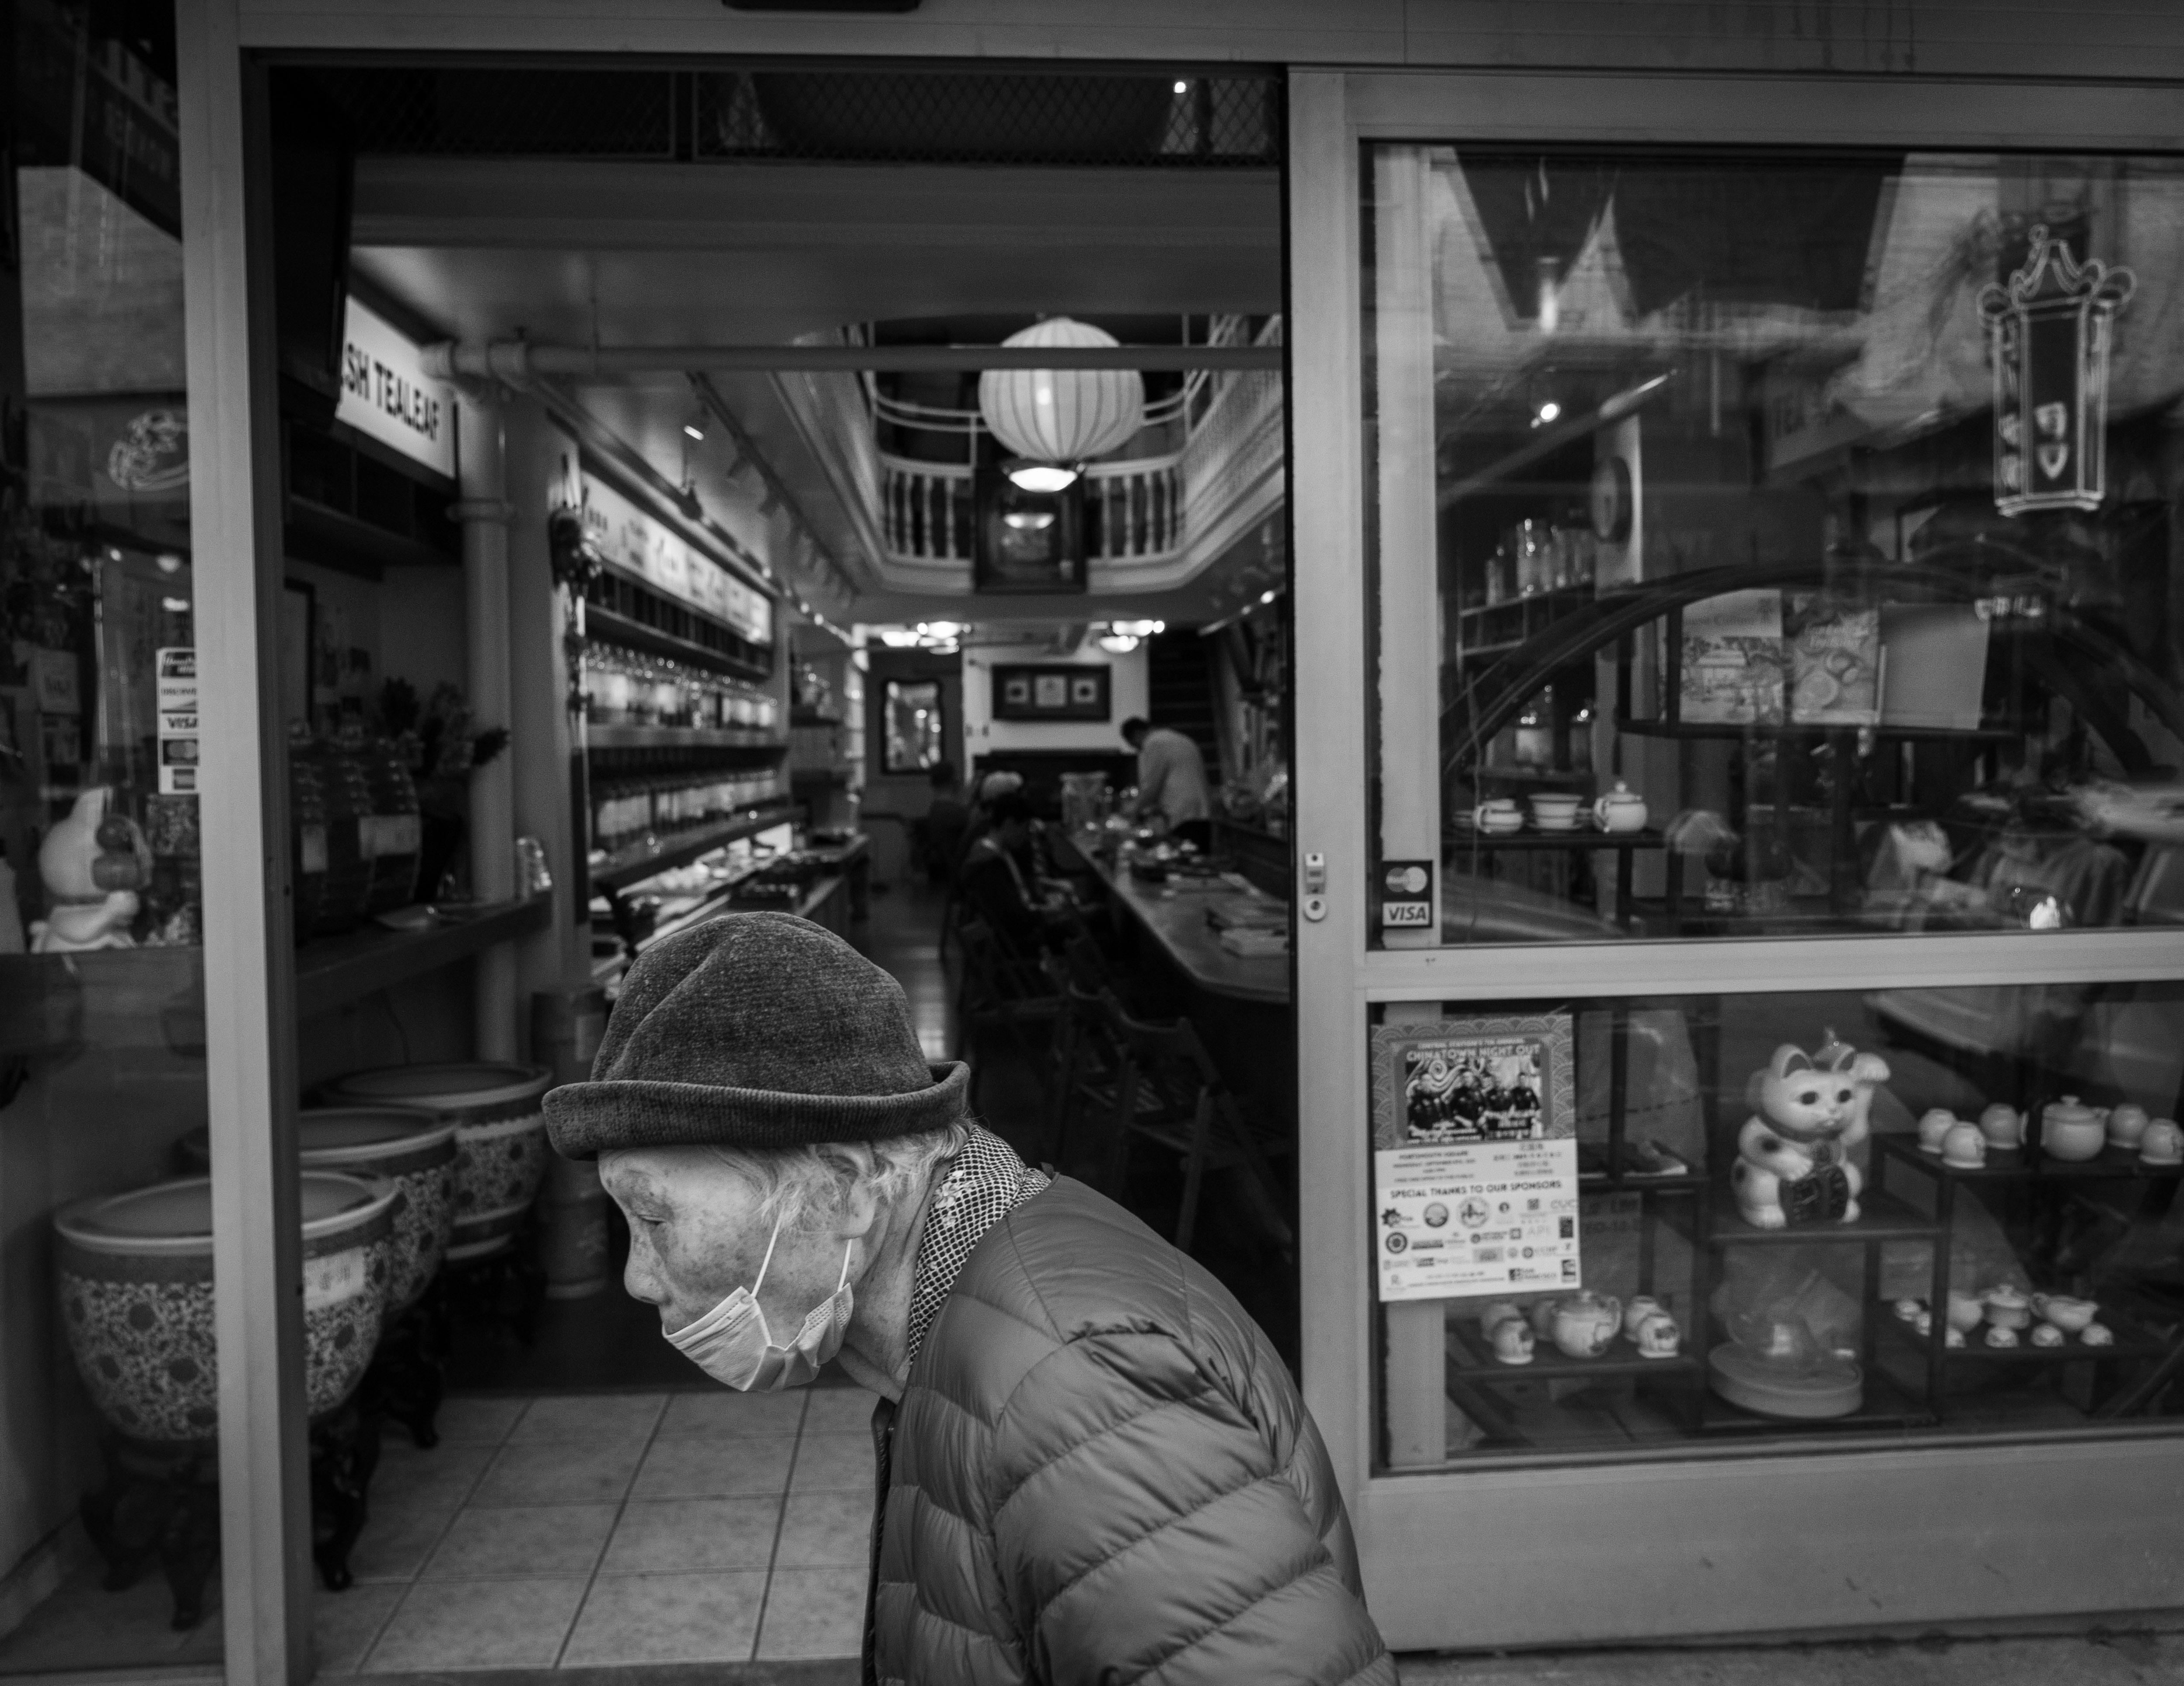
(1134, 510)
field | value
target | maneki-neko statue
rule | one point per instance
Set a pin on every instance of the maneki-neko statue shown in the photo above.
(93, 863)
(1793, 1162)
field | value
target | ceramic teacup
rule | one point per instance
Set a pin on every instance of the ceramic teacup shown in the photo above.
(1554, 811)
(2002, 1126)
(1500, 814)
(1934, 1126)
(1657, 1335)
(2163, 1143)
(1964, 1147)
(1636, 1310)
(2127, 1123)
(1513, 1341)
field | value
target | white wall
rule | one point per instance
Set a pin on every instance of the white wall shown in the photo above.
(983, 734)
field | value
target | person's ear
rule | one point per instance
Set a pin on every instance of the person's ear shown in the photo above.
(857, 1211)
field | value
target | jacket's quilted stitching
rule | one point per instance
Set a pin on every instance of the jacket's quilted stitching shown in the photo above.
(1101, 1475)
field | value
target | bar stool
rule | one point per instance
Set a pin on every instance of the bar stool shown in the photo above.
(1192, 1113)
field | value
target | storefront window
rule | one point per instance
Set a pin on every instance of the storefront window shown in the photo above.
(108, 1413)
(1786, 541)
(1706, 1220)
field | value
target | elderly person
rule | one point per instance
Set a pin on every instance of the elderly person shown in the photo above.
(1092, 1466)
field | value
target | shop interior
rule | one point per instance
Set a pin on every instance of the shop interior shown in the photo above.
(587, 636)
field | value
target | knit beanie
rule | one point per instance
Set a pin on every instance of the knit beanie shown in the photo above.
(755, 1030)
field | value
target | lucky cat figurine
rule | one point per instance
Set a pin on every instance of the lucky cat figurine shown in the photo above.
(93, 863)
(1793, 1165)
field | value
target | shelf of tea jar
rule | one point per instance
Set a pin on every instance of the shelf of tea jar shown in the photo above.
(333, 970)
(2012, 1164)
(1578, 837)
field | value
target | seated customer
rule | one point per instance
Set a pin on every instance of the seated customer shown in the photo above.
(1091, 1466)
(995, 884)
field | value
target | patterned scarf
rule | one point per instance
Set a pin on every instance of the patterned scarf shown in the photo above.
(985, 1182)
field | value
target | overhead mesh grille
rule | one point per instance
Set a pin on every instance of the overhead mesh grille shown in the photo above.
(527, 114)
(852, 116)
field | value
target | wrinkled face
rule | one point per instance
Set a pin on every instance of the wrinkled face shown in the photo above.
(696, 1235)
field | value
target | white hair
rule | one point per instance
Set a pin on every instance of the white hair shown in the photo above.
(803, 1187)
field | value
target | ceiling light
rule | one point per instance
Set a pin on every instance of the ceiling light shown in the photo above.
(176, 605)
(1183, 87)
(940, 629)
(1042, 477)
(1116, 643)
(169, 563)
(1030, 520)
(1266, 597)
(1136, 629)
(1548, 412)
(695, 429)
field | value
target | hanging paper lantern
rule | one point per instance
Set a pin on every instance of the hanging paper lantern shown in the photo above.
(1061, 416)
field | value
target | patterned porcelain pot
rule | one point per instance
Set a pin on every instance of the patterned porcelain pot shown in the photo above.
(412, 1150)
(134, 1277)
(500, 1136)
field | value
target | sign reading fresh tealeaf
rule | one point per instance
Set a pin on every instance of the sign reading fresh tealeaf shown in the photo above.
(386, 395)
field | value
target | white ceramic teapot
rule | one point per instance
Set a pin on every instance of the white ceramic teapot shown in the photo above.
(1621, 809)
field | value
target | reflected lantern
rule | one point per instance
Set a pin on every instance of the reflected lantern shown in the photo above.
(1062, 416)
(2050, 330)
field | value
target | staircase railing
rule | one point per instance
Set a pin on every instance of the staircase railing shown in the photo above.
(1134, 510)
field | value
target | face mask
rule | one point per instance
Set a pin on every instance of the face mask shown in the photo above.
(731, 1344)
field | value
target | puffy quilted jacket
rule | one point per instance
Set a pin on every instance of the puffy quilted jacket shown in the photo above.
(1101, 1472)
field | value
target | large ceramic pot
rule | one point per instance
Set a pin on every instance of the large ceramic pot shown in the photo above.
(134, 1277)
(500, 1136)
(412, 1150)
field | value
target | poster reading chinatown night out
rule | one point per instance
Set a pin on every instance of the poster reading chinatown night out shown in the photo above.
(1474, 1157)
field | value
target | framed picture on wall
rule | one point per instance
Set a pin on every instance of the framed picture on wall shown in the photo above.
(1062, 691)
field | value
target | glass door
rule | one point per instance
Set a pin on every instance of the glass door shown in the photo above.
(1757, 1070)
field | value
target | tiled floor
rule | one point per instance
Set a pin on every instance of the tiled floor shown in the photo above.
(579, 1530)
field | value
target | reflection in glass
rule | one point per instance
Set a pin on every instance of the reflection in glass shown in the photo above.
(915, 726)
(1813, 509)
(1911, 1211)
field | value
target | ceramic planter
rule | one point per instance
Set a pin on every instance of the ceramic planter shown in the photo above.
(500, 1136)
(134, 1272)
(412, 1150)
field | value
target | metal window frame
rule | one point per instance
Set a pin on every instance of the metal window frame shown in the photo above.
(1870, 1537)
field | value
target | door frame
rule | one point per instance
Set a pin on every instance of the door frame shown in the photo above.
(1885, 1539)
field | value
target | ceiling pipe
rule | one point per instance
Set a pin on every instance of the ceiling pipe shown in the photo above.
(517, 363)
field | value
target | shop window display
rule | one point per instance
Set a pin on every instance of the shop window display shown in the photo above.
(1790, 536)
(1709, 1219)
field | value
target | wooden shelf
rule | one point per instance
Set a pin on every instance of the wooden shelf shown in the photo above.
(607, 625)
(624, 736)
(2016, 1164)
(1793, 731)
(1882, 1217)
(2132, 1342)
(640, 861)
(1583, 837)
(334, 970)
(1468, 1359)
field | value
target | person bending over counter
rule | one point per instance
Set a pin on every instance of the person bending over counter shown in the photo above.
(1170, 781)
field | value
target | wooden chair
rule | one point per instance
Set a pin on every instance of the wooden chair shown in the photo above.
(998, 989)
(1194, 1114)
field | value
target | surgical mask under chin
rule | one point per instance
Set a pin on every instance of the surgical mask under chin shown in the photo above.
(731, 1344)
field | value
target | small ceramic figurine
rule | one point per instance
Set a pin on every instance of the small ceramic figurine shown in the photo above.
(1585, 1323)
(2002, 1126)
(2001, 1335)
(93, 863)
(1657, 1335)
(2072, 1132)
(2163, 1143)
(1622, 810)
(2008, 1308)
(2047, 1334)
(2098, 1334)
(2071, 1316)
(1793, 1165)
(1964, 1148)
(1934, 1126)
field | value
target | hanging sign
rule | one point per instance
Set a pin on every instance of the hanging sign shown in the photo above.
(1474, 1161)
(2049, 332)
(386, 395)
(626, 537)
